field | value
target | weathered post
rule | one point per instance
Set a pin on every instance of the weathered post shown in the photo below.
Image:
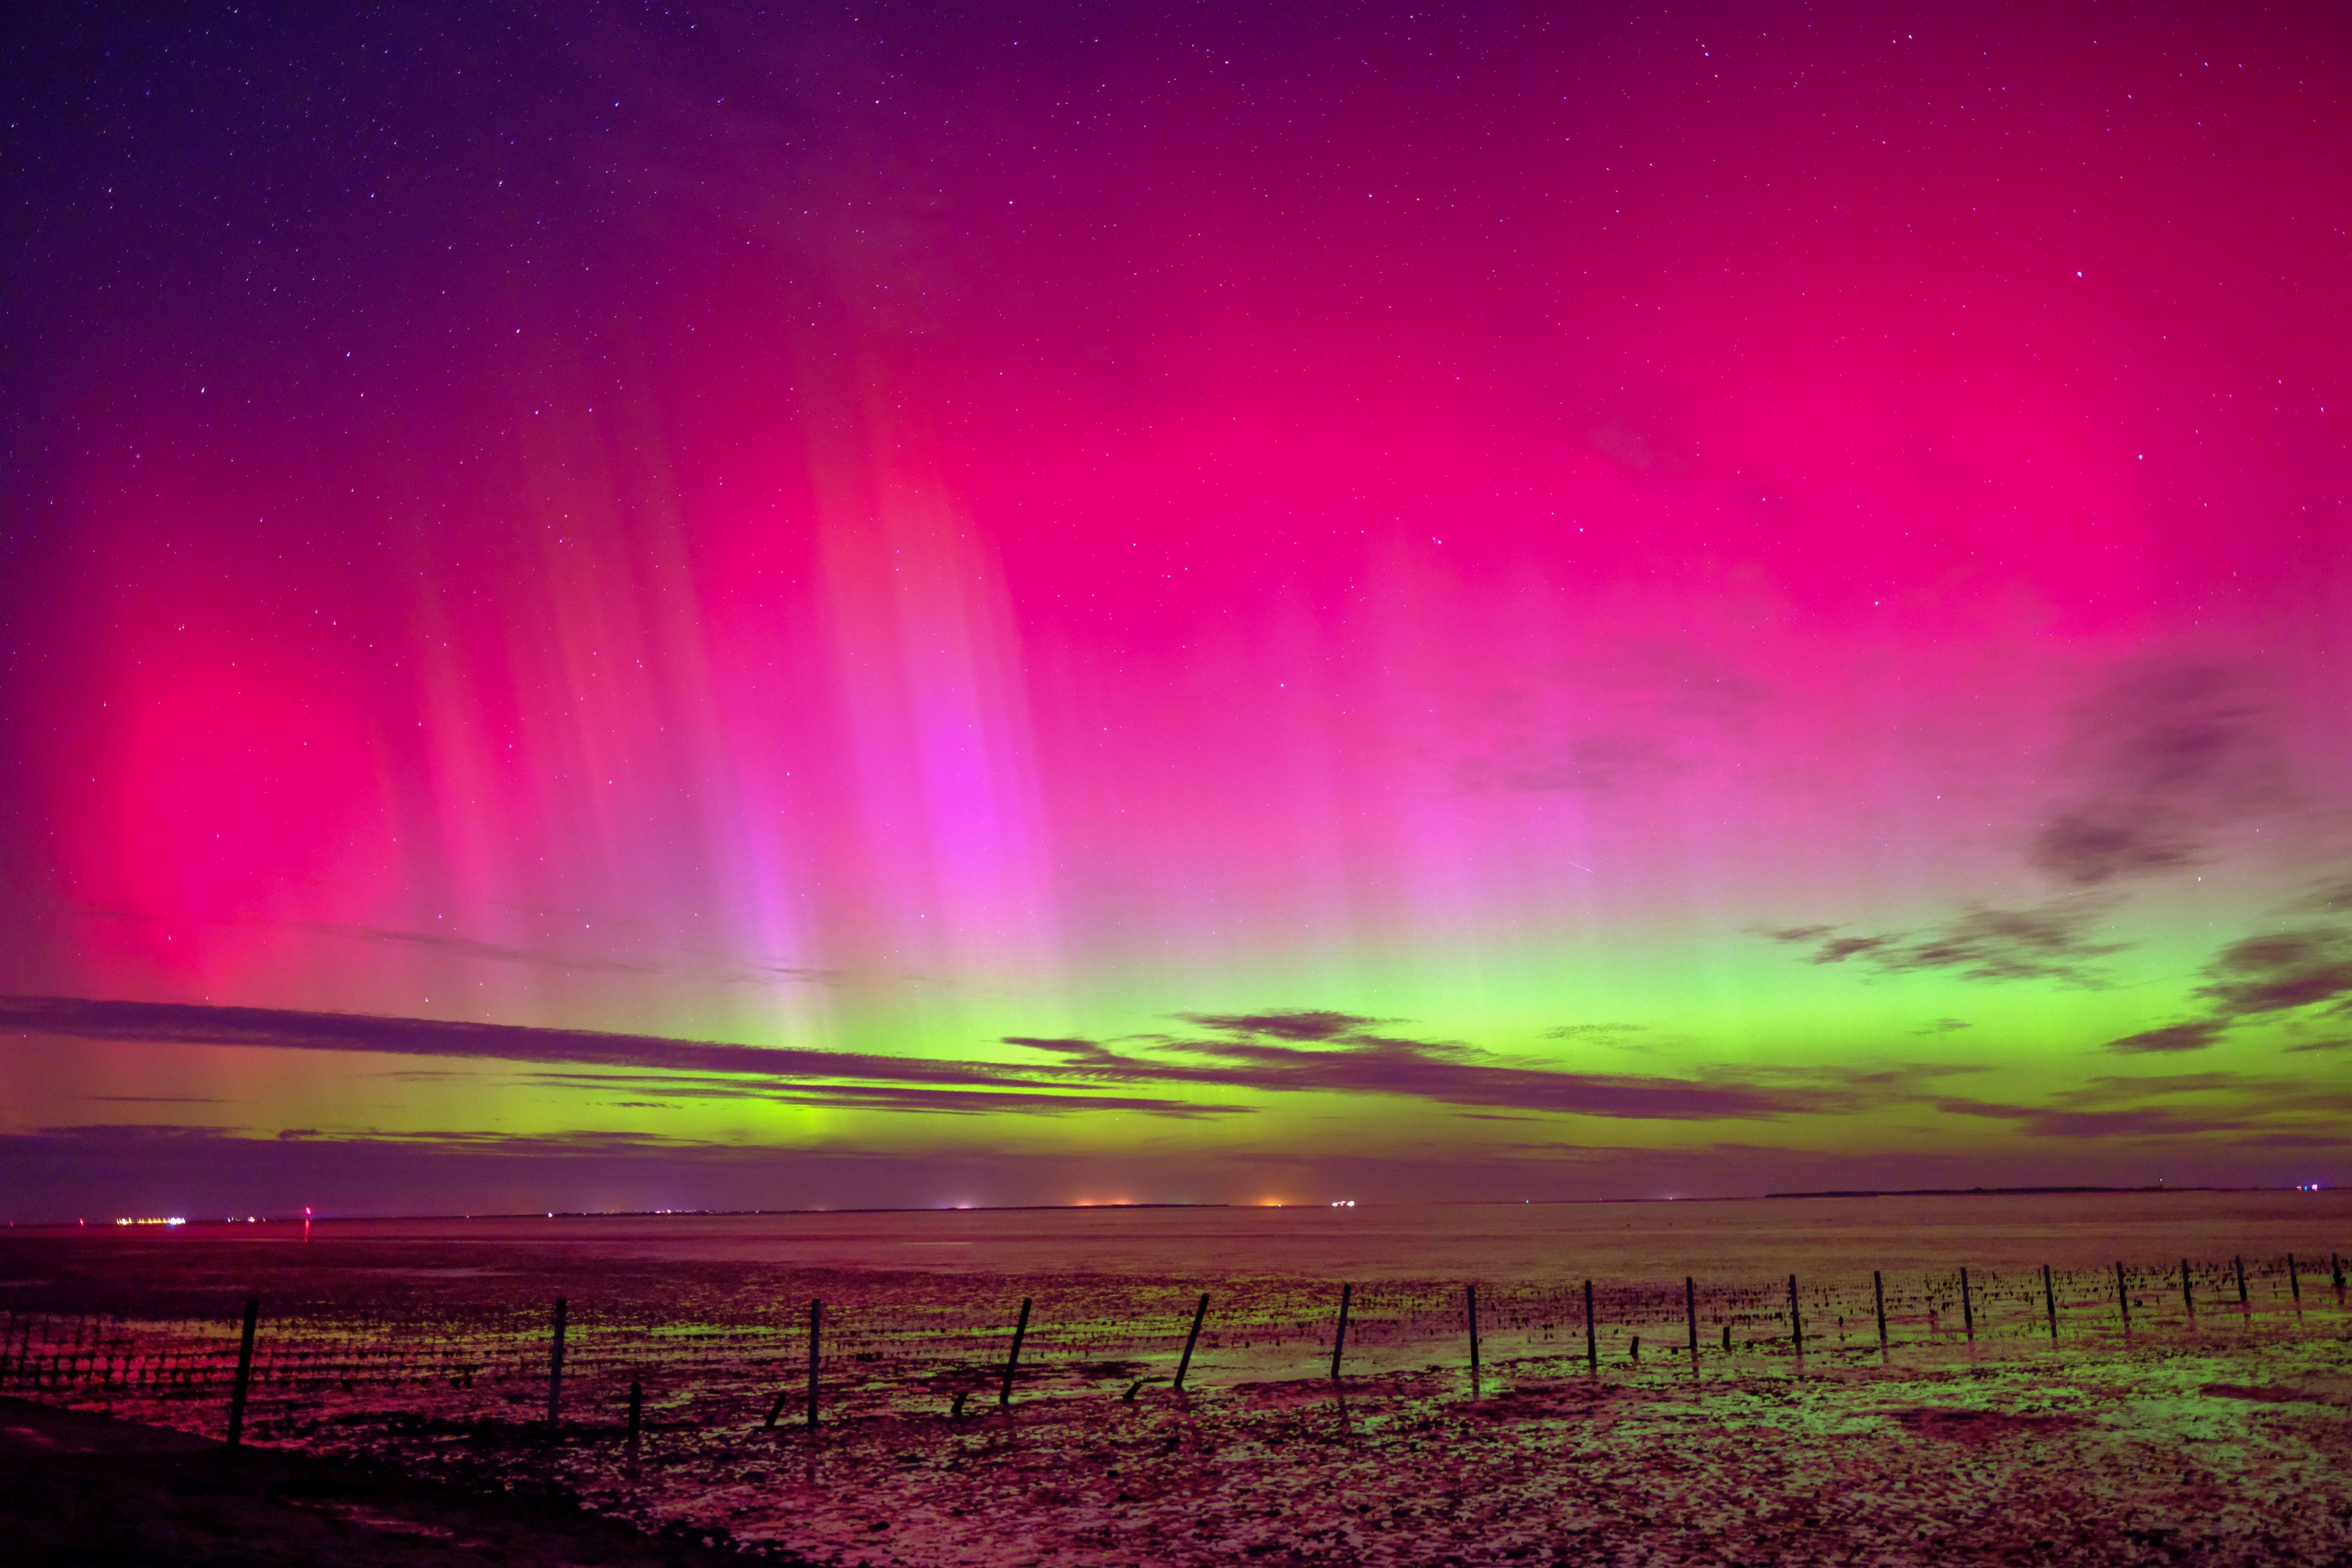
(2123, 1296)
(2336, 1271)
(2187, 1296)
(1878, 1296)
(1184, 1365)
(1967, 1309)
(2049, 1300)
(817, 1325)
(1690, 1314)
(1470, 1295)
(636, 1407)
(555, 1364)
(1012, 1361)
(2294, 1281)
(1339, 1339)
(244, 1374)
(2240, 1264)
(1796, 1321)
(1592, 1334)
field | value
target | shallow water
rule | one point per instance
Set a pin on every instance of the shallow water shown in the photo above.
(1748, 1239)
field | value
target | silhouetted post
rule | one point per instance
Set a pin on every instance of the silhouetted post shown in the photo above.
(1470, 1294)
(2049, 1300)
(2336, 1271)
(636, 1407)
(1185, 1364)
(1690, 1313)
(1012, 1361)
(1339, 1339)
(1967, 1309)
(2123, 1296)
(2187, 1296)
(244, 1373)
(555, 1364)
(817, 1325)
(2240, 1264)
(2294, 1281)
(1796, 1322)
(1592, 1334)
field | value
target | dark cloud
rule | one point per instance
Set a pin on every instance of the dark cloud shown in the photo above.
(2169, 754)
(2322, 1046)
(778, 1073)
(177, 1023)
(2190, 1037)
(1330, 1053)
(1837, 950)
(2280, 970)
(1593, 1031)
(1287, 1025)
(2051, 942)
(1941, 1026)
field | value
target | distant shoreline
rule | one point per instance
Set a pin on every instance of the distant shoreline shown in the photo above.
(2003, 1192)
(112, 1225)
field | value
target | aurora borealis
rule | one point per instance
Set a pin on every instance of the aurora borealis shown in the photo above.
(638, 607)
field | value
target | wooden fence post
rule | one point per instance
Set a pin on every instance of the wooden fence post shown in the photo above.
(1878, 1294)
(1339, 1339)
(2187, 1296)
(2123, 1296)
(1012, 1361)
(1796, 1322)
(1470, 1293)
(2240, 1264)
(1967, 1309)
(2049, 1300)
(1690, 1313)
(2294, 1281)
(1592, 1335)
(1184, 1365)
(244, 1374)
(555, 1364)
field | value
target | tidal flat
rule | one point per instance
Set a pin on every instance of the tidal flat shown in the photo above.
(2173, 1388)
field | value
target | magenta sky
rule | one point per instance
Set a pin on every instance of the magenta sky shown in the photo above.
(1186, 604)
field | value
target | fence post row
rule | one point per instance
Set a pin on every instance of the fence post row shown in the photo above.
(244, 1374)
(555, 1364)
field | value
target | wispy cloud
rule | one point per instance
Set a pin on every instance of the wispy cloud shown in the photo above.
(2170, 752)
(2050, 941)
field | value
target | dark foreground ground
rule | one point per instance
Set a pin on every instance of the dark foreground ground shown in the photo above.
(77, 1488)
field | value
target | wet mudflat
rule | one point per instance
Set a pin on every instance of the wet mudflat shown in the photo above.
(2212, 1453)
(2140, 1409)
